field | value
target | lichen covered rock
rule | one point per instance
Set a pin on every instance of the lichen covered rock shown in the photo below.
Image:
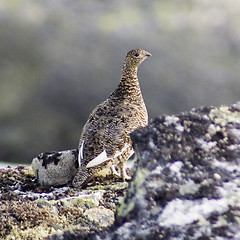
(55, 168)
(102, 216)
(31, 211)
(186, 180)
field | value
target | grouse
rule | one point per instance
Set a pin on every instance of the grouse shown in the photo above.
(105, 140)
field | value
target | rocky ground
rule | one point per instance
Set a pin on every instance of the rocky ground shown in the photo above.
(30, 211)
(185, 185)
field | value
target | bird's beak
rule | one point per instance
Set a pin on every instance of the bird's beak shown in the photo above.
(148, 54)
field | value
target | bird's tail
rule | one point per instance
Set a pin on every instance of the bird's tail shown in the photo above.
(83, 176)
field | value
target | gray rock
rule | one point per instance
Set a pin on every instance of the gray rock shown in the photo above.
(55, 168)
(186, 179)
(102, 216)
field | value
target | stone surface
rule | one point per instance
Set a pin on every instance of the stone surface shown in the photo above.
(186, 180)
(55, 168)
(102, 216)
(31, 211)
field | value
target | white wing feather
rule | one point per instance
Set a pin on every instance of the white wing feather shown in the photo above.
(80, 154)
(102, 157)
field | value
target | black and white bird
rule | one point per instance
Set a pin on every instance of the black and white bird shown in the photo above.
(105, 140)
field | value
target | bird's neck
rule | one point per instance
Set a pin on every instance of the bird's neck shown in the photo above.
(129, 86)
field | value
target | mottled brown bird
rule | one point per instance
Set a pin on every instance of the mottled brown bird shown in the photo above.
(105, 140)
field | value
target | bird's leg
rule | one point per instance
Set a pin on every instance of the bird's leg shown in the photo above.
(114, 171)
(123, 173)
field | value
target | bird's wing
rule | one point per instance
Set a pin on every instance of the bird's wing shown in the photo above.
(103, 137)
(80, 154)
(102, 157)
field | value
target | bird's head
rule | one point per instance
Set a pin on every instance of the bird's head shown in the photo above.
(135, 57)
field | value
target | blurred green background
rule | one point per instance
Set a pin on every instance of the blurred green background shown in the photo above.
(59, 59)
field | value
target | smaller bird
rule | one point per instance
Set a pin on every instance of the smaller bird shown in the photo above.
(105, 140)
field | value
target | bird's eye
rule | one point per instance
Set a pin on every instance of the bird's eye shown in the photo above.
(136, 54)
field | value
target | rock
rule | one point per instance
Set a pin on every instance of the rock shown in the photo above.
(100, 215)
(31, 211)
(55, 168)
(186, 180)
(85, 200)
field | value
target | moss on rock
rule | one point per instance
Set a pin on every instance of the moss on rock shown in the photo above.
(30, 211)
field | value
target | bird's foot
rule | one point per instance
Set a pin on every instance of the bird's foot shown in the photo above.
(123, 173)
(115, 172)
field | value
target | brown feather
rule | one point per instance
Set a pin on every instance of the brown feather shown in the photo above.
(109, 125)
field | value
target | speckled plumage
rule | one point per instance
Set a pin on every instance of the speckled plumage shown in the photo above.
(105, 140)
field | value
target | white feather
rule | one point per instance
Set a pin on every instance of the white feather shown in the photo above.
(80, 154)
(102, 157)
(131, 153)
